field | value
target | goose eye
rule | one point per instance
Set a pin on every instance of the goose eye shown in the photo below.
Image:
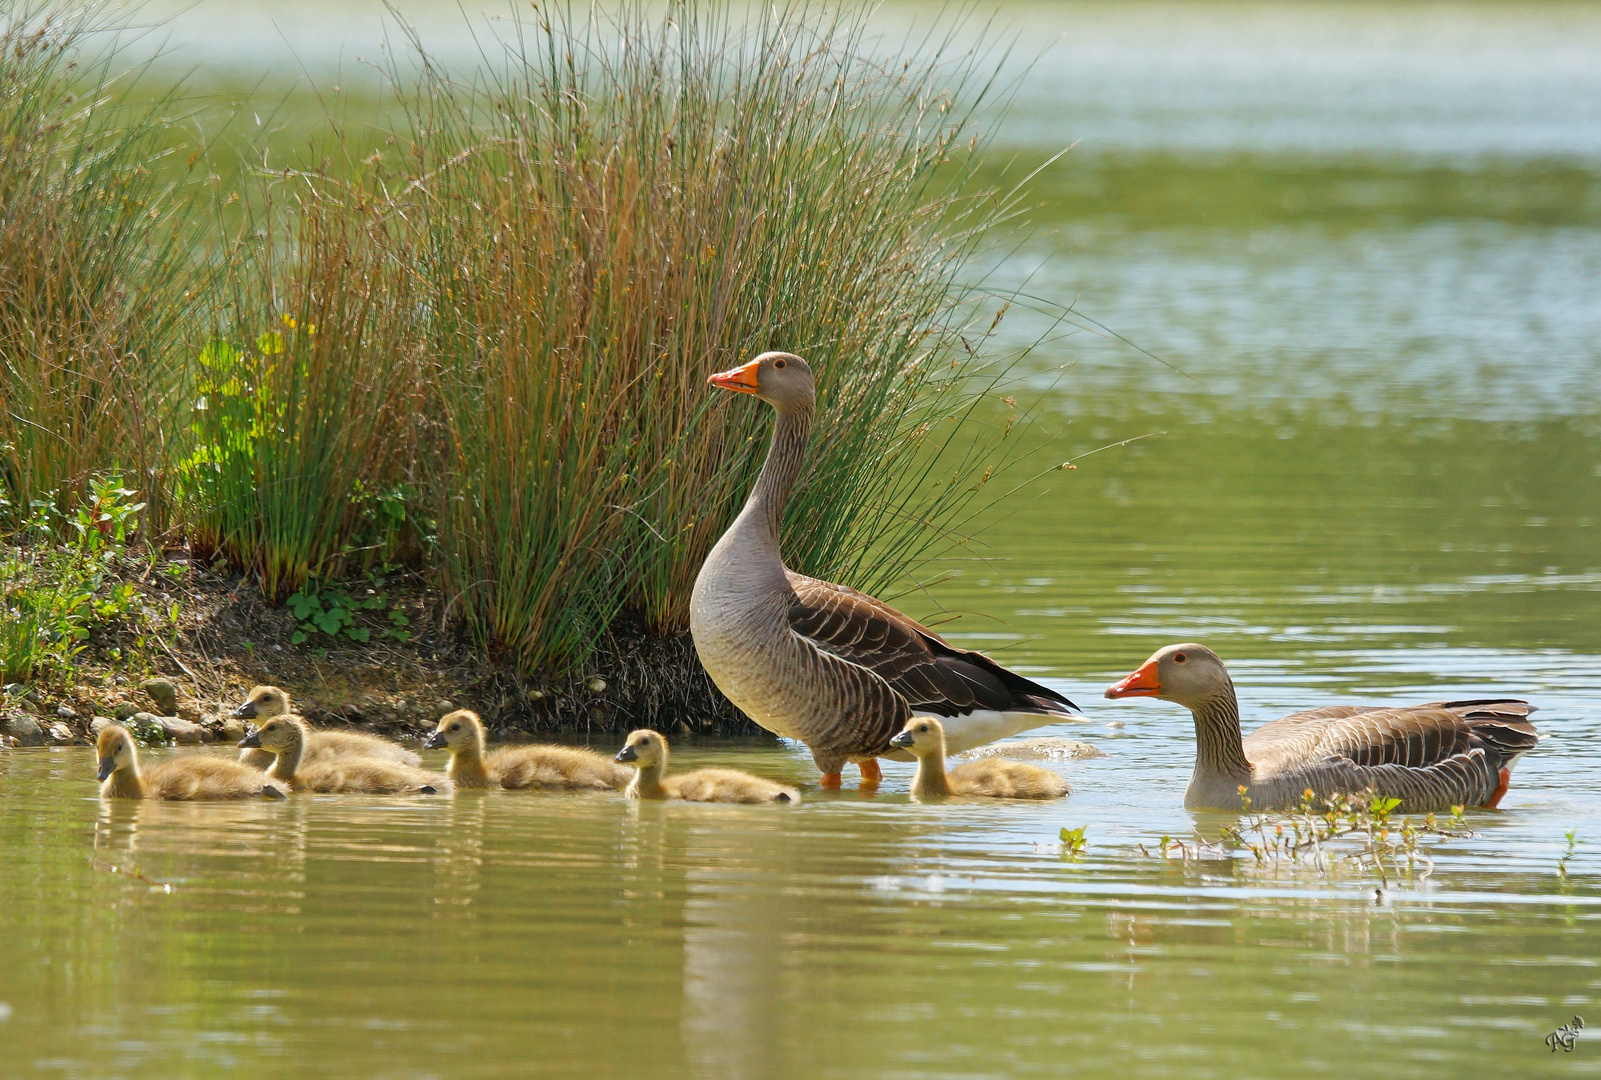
(1179, 658)
(778, 363)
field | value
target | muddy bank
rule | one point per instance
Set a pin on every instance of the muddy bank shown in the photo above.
(212, 635)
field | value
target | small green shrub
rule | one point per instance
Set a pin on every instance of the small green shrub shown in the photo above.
(50, 600)
(55, 590)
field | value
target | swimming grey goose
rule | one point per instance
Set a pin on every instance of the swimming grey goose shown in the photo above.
(1431, 757)
(823, 663)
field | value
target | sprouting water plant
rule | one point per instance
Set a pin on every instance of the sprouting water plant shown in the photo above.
(1345, 833)
(1567, 856)
(1074, 841)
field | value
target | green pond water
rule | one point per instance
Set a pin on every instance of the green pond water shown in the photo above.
(1370, 238)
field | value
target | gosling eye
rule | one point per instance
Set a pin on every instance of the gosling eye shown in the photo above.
(1179, 658)
(923, 728)
(455, 727)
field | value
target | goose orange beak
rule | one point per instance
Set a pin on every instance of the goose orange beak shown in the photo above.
(1143, 683)
(741, 380)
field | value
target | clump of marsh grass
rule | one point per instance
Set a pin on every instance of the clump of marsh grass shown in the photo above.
(483, 349)
(305, 412)
(613, 210)
(97, 267)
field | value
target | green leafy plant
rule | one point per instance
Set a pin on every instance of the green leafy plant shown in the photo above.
(48, 606)
(333, 612)
(110, 518)
(148, 734)
(1074, 841)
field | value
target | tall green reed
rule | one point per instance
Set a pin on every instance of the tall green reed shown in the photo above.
(612, 210)
(98, 266)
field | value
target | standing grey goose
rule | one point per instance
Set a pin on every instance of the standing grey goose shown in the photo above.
(1431, 757)
(822, 663)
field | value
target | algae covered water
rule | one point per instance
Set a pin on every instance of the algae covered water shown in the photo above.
(1370, 241)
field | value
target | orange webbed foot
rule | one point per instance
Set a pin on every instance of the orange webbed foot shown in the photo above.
(871, 773)
(831, 781)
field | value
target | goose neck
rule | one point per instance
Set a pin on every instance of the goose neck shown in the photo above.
(467, 768)
(287, 761)
(648, 779)
(931, 778)
(785, 455)
(1219, 746)
(126, 783)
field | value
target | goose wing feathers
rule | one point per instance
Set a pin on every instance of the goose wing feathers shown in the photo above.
(918, 664)
(1417, 737)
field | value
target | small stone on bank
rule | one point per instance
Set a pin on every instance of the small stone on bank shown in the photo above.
(163, 693)
(183, 731)
(174, 729)
(24, 729)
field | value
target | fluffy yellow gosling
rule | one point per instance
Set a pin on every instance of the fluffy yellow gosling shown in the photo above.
(550, 768)
(646, 751)
(193, 776)
(924, 736)
(285, 738)
(266, 702)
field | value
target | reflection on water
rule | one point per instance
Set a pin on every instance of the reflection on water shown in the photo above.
(1372, 235)
(509, 934)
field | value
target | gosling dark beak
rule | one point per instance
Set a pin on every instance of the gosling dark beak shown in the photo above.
(251, 741)
(246, 711)
(107, 767)
(625, 755)
(434, 741)
(903, 741)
